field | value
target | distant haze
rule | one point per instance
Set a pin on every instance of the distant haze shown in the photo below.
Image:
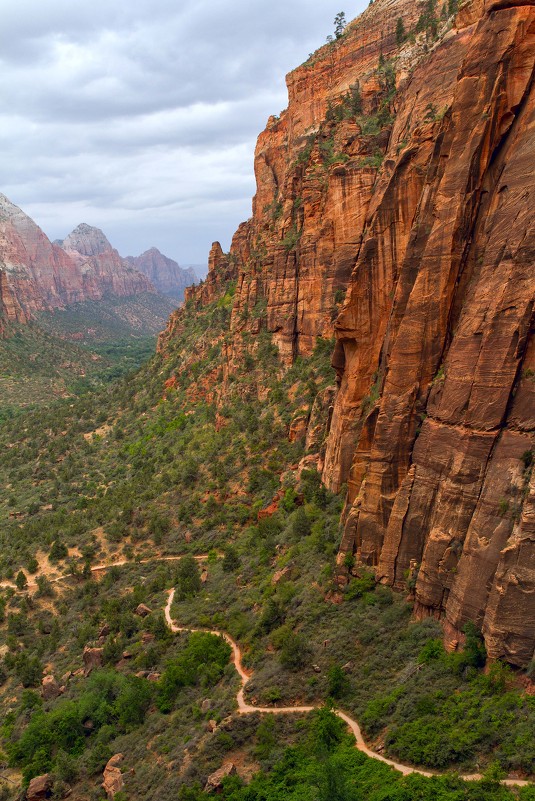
(141, 117)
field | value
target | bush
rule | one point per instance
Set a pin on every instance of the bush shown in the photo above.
(58, 551)
(202, 662)
(188, 578)
(231, 560)
(21, 581)
(294, 652)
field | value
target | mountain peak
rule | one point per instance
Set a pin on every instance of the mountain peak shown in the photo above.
(87, 240)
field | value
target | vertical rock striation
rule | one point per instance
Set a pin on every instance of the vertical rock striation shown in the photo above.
(393, 211)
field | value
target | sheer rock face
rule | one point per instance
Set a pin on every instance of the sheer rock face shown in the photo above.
(37, 275)
(435, 340)
(164, 273)
(315, 178)
(413, 245)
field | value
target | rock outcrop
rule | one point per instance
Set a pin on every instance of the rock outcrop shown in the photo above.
(92, 658)
(50, 688)
(37, 275)
(393, 212)
(215, 780)
(164, 273)
(39, 788)
(113, 781)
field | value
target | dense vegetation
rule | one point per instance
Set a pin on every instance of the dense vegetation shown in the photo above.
(159, 463)
(77, 350)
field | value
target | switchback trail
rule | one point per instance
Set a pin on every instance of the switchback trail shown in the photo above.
(245, 709)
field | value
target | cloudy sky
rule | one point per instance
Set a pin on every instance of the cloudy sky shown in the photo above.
(140, 116)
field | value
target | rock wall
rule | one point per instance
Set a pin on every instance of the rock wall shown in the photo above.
(394, 212)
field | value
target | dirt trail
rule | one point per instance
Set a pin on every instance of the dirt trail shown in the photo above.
(244, 708)
(102, 568)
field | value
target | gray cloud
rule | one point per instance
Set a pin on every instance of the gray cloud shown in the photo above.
(140, 116)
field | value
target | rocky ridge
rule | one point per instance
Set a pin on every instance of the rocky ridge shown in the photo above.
(164, 273)
(37, 275)
(393, 212)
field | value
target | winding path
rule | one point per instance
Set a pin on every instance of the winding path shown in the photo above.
(246, 709)
(243, 707)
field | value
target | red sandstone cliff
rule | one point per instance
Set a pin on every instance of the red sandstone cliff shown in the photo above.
(164, 273)
(37, 275)
(394, 211)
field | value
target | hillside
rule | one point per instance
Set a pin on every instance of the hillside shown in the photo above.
(312, 505)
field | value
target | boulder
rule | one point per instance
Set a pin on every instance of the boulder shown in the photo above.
(227, 723)
(143, 610)
(215, 780)
(40, 787)
(93, 658)
(50, 688)
(112, 777)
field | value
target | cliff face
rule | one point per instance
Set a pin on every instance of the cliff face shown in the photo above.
(434, 421)
(165, 274)
(393, 212)
(37, 275)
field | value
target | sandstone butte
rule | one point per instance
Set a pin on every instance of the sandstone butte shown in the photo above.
(408, 236)
(164, 273)
(38, 275)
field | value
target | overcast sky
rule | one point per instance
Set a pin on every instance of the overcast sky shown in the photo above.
(141, 116)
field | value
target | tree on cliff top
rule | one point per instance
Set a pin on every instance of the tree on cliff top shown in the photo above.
(339, 24)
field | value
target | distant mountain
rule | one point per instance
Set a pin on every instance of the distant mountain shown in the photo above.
(37, 275)
(165, 273)
(200, 270)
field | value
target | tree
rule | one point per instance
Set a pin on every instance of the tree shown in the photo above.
(400, 31)
(337, 682)
(294, 652)
(188, 577)
(21, 581)
(231, 560)
(339, 24)
(58, 551)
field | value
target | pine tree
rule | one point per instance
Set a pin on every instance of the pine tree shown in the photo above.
(400, 31)
(339, 24)
(21, 580)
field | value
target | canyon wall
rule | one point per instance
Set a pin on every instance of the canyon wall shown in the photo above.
(393, 212)
(37, 275)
